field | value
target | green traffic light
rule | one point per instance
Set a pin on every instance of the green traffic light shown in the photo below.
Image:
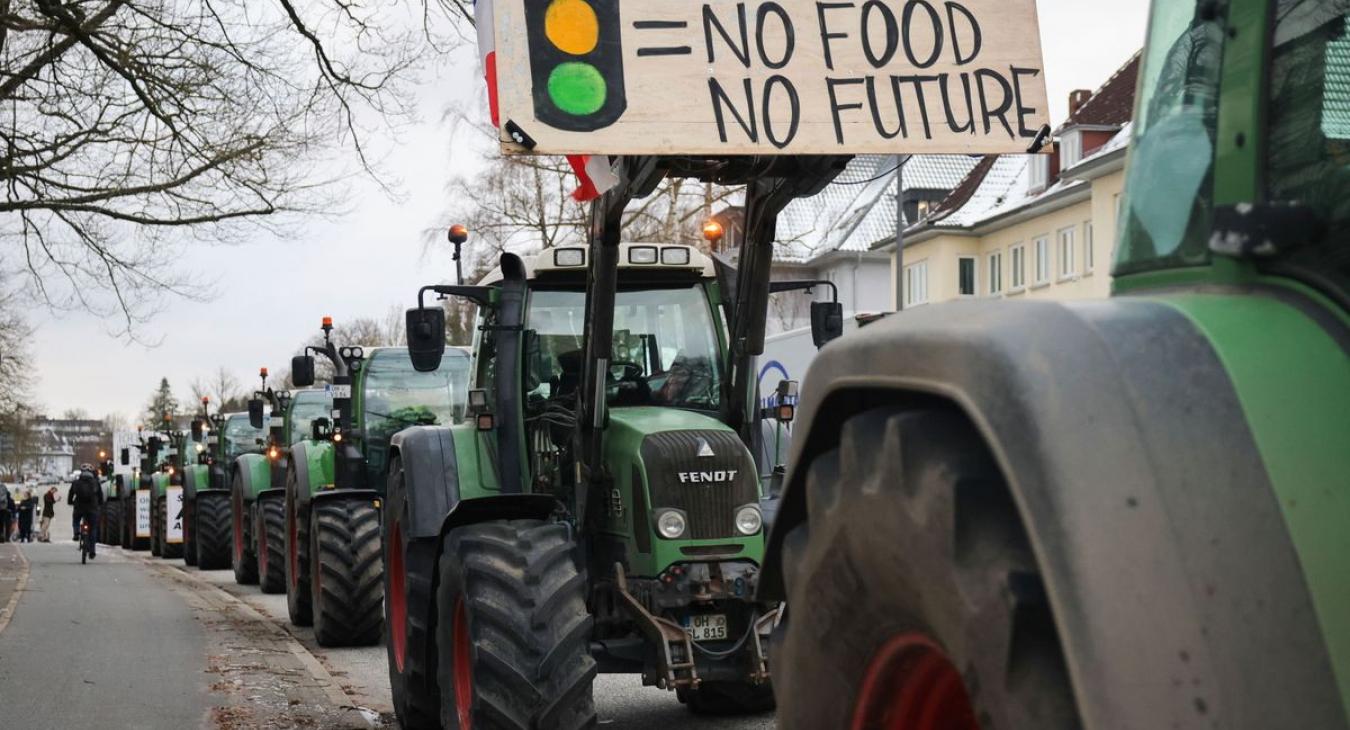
(577, 88)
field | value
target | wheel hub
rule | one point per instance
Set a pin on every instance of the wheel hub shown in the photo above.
(911, 684)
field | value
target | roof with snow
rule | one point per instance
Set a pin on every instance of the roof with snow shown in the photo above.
(859, 206)
(1111, 105)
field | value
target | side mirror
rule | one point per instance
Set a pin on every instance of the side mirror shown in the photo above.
(156, 444)
(827, 322)
(321, 429)
(302, 370)
(425, 327)
(197, 429)
(255, 412)
(126, 456)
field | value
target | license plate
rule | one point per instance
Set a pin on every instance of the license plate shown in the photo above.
(341, 391)
(707, 626)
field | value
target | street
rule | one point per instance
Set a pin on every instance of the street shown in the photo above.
(132, 641)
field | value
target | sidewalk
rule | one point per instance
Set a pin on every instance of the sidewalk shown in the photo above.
(13, 576)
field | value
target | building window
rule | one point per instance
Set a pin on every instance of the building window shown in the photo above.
(965, 268)
(1038, 173)
(1067, 254)
(1042, 260)
(1071, 149)
(995, 273)
(916, 284)
(1089, 256)
(1018, 256)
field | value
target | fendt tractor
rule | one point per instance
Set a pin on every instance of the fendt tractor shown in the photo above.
(110, 514)
(135, 491)
(207, 500)
(334, 569)
(166, 497)
(602, 510)
(258, 483)
(1132, 513)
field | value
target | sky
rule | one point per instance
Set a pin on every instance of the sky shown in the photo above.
(373, 258)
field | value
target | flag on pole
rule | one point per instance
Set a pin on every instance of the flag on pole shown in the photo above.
(592, 171)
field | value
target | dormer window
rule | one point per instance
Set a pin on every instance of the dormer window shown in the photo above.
(1071, 148)
(1038, 168)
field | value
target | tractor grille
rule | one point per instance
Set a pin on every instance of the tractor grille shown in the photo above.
(708, 501)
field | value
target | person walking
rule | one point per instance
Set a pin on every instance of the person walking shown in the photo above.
(26, 504)
(48, 512)
(6, 505)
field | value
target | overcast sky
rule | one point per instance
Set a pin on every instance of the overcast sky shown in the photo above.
(372, 258)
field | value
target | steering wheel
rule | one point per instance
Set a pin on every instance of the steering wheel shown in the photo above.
(632, 372)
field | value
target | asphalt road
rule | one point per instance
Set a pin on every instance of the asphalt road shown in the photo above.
(132, 641)
(99, 645)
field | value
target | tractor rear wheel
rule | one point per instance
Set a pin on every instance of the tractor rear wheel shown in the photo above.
(299, 602)
(113, 510)
(348, 584)
(914, 597)
(212, 531)
(167, 550)
(513, 631)
(408, 611)
(190, 530)
(156, 509)
(243, 555)
(728, 698)
(271, 530)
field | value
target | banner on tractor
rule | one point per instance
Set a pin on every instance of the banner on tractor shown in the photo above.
(724, 77)
(142, 513)
(173, 503)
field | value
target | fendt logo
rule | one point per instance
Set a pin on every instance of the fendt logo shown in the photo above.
(708, 477)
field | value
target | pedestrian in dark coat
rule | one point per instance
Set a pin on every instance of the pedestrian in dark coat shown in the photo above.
(27, 503)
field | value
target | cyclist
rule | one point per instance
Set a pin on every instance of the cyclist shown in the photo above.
(86, 496)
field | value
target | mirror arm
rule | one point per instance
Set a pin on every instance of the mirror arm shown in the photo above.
(776, 287)
(480, 295)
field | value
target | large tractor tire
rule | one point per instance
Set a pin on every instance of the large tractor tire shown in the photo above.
(347, 572)
(212, 530)
(167, 550)
(271, 531)
(190, 531)
(914, 597)
(513, 631)
(409, 616)
(244, 552)
(299, 602)
(156, 548)
(109, 534)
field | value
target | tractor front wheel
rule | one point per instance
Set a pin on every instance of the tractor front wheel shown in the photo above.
(914, 597)
(190, 530)
(512, 629)
(212, 531)
(408, 610)
(110, 534)
(271, 531)
(348, 586)
(243, 557)
(156, 509)
(299, 602)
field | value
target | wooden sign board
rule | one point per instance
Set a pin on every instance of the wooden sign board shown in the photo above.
(732, 77)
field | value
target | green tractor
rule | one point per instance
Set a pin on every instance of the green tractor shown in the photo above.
(603, 508)
(206, 486)
(334, 484)
(134, 492)
(257, 483)
(110, 515)
(1132, 513)
(166, 498)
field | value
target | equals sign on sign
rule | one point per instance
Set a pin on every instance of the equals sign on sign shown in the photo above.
(662, 25)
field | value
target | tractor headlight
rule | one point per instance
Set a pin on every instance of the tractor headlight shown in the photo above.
(671, 523)
(748, 520)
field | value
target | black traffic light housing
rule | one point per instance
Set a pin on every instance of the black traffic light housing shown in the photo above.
(576, 64)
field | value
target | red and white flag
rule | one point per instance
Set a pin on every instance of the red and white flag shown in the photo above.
(593, 171)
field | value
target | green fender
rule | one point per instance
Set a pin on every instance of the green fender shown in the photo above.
(158, 483)
(313, 464)
(255, 475)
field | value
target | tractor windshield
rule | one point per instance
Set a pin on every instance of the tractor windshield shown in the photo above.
(240, 437)
(306, 406)
(1308, 152)
(1169, 205)
(395, 396)
(665, 347)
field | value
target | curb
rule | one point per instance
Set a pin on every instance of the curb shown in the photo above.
(331, 687)
(7, 612)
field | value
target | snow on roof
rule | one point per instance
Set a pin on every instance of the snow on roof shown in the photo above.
(858, 208)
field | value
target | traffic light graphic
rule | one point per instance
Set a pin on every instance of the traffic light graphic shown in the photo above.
(576, 63)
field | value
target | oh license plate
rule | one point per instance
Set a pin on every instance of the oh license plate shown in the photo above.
(707, 626)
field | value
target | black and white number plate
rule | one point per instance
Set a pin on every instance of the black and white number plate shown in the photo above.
(707, 626)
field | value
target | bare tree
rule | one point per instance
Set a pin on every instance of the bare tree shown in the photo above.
(362, 332)
(18, 442)
(128, 127)
(16, 378)
(75, 414)
(223, 390)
